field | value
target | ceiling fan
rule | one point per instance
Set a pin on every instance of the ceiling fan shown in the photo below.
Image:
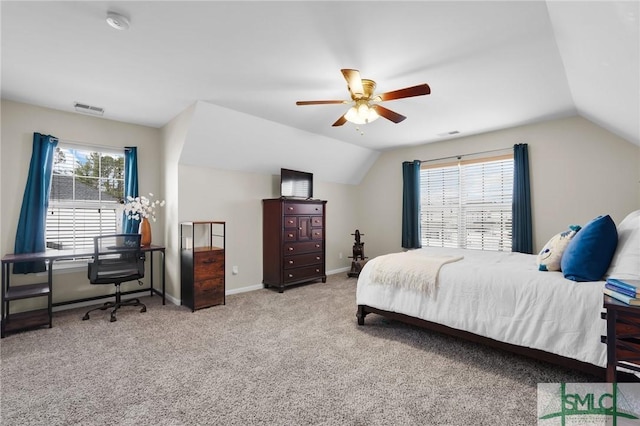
(365, 107)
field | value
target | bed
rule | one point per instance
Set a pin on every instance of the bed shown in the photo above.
(501, 299)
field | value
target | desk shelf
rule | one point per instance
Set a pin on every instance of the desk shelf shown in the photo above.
(26, 320)
(27, 291)
(12, 322)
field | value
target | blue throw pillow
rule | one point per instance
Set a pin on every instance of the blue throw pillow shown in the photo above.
(589, 253)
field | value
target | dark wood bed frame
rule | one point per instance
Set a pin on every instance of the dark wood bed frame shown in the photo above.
(594, 370)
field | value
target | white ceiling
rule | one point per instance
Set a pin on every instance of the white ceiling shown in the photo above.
(490, 64)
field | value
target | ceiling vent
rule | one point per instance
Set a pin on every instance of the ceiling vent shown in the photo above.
(451, 133)
(88, 109)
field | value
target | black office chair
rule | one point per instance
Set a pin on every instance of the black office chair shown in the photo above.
(117, 258)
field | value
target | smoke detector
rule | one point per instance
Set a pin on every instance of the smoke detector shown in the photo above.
(117, 21)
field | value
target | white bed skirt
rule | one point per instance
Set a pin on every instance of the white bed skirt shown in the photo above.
(502, 296)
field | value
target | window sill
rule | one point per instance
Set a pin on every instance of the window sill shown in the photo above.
(70, 266)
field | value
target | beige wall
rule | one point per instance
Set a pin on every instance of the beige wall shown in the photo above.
(578, 171)
(173, 137)
(19, 122)
(236, 198)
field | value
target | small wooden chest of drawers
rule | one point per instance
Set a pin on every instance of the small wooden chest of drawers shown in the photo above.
(623, 337)
(293, 242)
(202, 264)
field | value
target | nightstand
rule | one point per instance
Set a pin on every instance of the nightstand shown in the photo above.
(623, 337)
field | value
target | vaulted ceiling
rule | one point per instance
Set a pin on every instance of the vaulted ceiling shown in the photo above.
(490, 64)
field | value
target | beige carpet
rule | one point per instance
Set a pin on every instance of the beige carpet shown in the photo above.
(297, 358)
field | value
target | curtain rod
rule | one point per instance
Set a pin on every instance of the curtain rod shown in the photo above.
(467, 155)
(91, 145)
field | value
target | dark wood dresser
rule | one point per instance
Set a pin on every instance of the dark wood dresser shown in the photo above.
(293, 242)
(202, 264)
(623, 337)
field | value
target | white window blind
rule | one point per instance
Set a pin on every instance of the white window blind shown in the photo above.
(86, 188)
(75, 227)
(467, 204)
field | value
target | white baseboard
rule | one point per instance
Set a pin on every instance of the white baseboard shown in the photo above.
(244, 289)
(339, 270)
(261, 286)
(172, 299)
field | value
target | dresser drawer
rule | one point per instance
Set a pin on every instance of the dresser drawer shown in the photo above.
(304, 247)
(628, 350)
(627, 329)
(290, 221)
(208, 292)
(302, 208)
(208, 264)
(290, 235)
(303, 260)
(316, 221)
(298, 274)
(303, 233)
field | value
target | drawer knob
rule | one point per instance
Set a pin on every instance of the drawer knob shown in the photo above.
(300, 228)
(317, 257)
(290, 235)
(317, 245)
(290, 275)
(290, 221)
(291, 262)
(317, 270)
(290, 208)
(290, 248)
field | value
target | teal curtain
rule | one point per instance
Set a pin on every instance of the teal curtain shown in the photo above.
(30, 236)
(522, 227)
(130, 226)
(411, 205)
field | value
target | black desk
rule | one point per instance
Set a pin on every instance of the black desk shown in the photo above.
(41, 317)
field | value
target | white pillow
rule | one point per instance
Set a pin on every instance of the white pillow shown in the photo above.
(626, 260)
(551, 254)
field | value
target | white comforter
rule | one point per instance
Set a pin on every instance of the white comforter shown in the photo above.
(502, 296)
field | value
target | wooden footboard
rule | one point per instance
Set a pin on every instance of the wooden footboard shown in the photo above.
(594, 370)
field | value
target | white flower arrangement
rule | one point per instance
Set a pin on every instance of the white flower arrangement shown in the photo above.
(142, 207)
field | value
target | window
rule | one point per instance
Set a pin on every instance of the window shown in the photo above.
(86, 189)
(467, 204)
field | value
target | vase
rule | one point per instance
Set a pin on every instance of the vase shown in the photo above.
(145, 232)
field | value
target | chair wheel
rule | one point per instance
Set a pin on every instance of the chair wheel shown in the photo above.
(144, 309)
(85, 317)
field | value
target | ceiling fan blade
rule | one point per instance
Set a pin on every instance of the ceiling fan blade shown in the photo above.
(339, 122)
(320, 102)
(354, 82)
(419, 90)
(388, 114)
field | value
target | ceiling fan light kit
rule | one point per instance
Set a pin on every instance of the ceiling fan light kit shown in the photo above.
(361, 113)
(365, 108)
